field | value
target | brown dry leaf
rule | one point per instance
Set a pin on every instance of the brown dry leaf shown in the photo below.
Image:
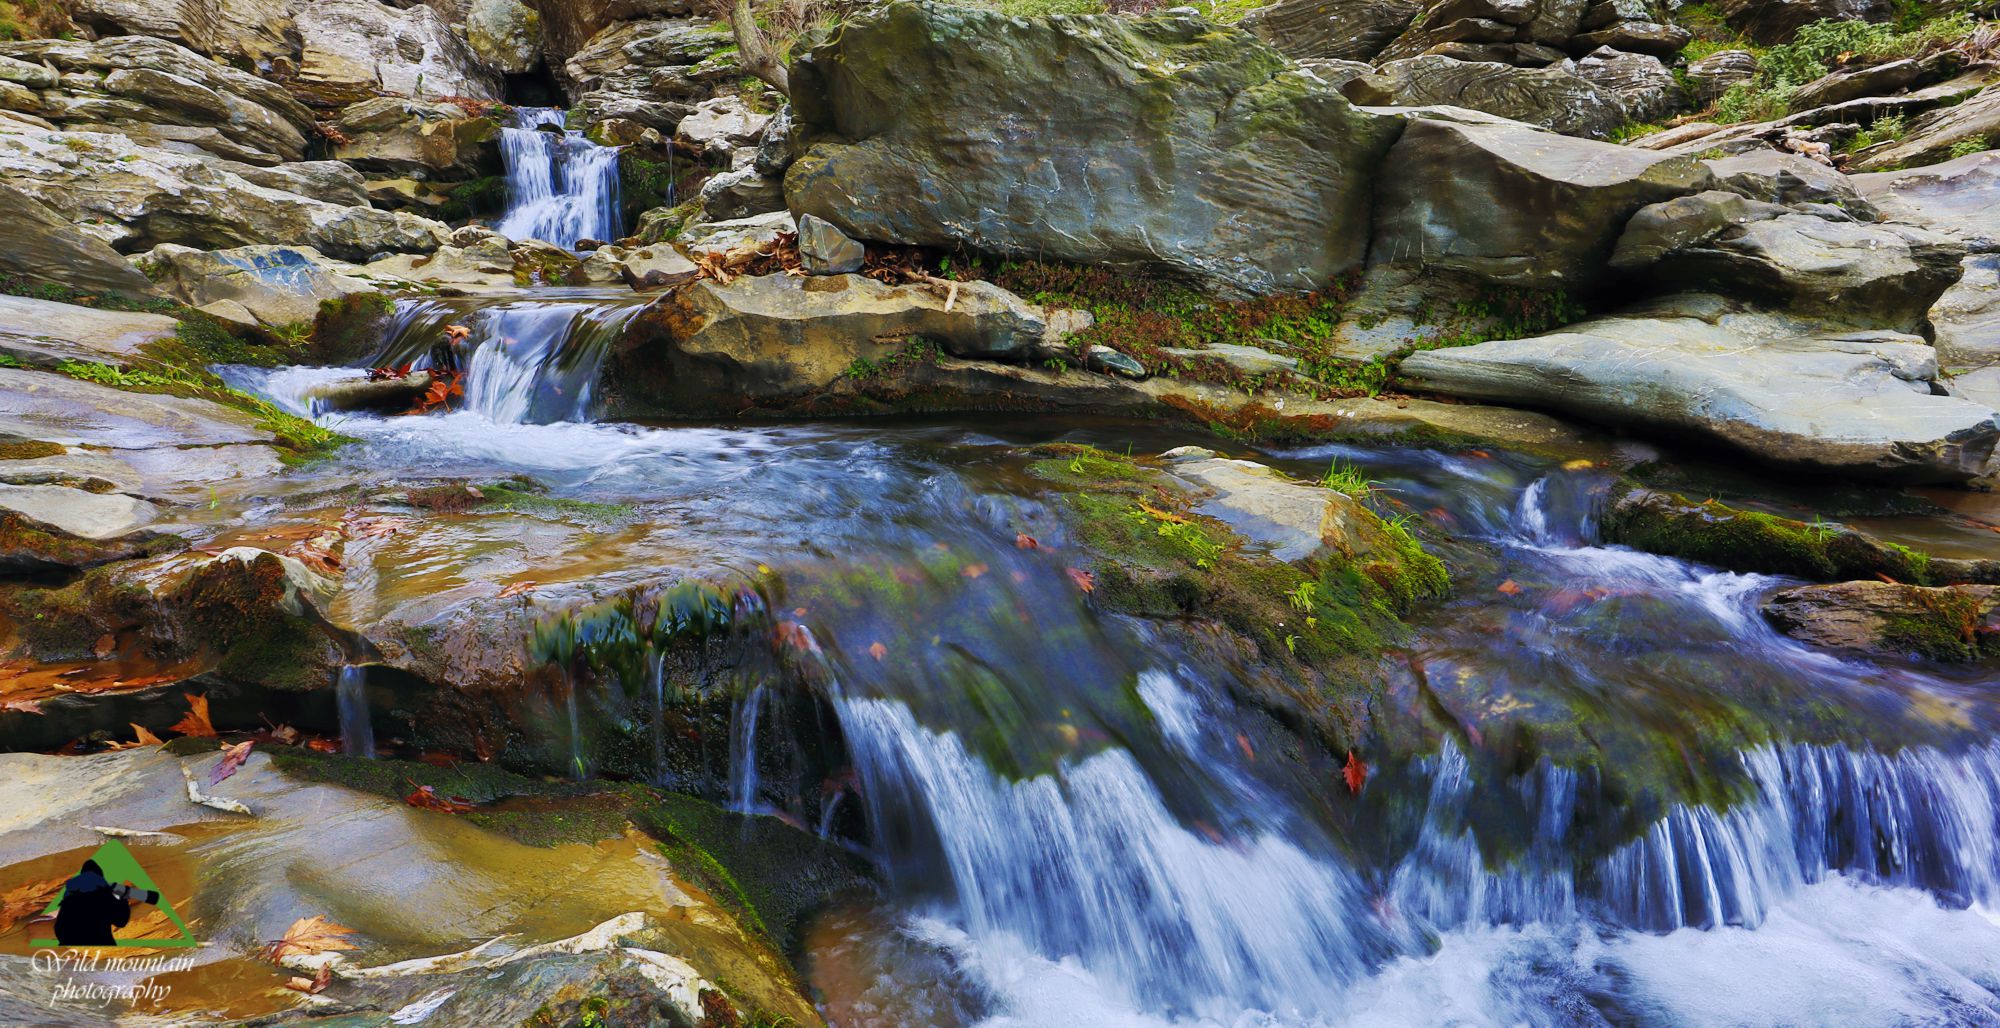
(195, 722)
(878, 651)
(26, 901)
(307, 936)
(315, 985)
(322, 744)
(1163, 515)
(973, 571)
(516, 589)
(21, 707)
(140, 737)
(232, 759)
(1084, 580)
(1025, 541)
(107, 644)
(153, 924)
(428, 798)
(284, 735)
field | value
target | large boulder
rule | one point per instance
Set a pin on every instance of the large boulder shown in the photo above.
(391, 135)
(1162, 143)
(506, 34)
(1511, 204)
(45, 333)
(162, 93)
(280, 285)
(1965, 321)
(652, 71)
(1775, 176)
(1862, 404)
(1554, 97)
(256, 33)
(1959, 622)
(43, 247)
(356, 49)
(1647, 90)
(1341, 30)
(1958, 198)
(138, 197)
(781, 336)
(1709, 77)
(1777, 21)
(1875, 276)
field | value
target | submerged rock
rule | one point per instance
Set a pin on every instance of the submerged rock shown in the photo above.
(1959, 622)
(1790, 393)
(1161, 143)
(52, 526)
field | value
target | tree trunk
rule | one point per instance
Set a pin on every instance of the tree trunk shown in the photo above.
(754, 49)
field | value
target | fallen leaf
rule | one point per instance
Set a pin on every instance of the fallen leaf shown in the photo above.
(321, 744)
(285, 735)
(1243, 743)
(878, 651)
(1579, 465)
(308, 936)
(195, 722)
(1481, 454)
(1509, 588)
(316, 984)
(153, 924)
(973, 571)
(21, 707)
(26, 901)
(516, 589)
(142, 737)
(1025, 541)
(428, 798)
(1356, 773)
(232, 761)
(107, 644)
(792, 635)
(1084, 580)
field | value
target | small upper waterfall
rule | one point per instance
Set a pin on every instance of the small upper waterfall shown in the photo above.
(561, 187)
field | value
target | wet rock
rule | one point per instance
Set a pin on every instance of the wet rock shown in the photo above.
(1965, 321)
(826, 250)
(45, 247)
(1960, 622)
(743, 193)
(1958, 198)
(1105, 360)
(487, 265)
(46, 333)
(1555, 97)
(1013, 152)
(1777, 21)
(1755, 542)
(378, 394)
(720, 237)
(72, 412)
(354, 49)
(279, 285)
(506, 34)
(1342, 30)
(623, 132)
(1785, 391)
(52, 526)
(1648, 91)
(1293, 520)
(1477, 197)
(1875, 276)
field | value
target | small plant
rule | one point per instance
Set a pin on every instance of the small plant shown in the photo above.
(1346, 478)
(1304, 598)
(1968, 147)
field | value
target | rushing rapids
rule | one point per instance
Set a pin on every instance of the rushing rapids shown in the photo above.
(1631, 783)
(561, 187)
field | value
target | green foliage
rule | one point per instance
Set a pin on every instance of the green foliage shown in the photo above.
(1968, 147)
(1635, 130)
(303, 438)
(1346, 478)
(645, 183)
(481, 196)
(923, 351)
(1888, 128)
(1823, 45)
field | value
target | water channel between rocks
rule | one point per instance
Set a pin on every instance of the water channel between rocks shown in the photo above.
(1615, 794)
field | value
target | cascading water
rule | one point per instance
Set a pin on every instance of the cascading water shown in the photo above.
(561, 187)
(357, 726)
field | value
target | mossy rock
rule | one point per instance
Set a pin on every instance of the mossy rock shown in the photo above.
(1753, 542)
(350, 328)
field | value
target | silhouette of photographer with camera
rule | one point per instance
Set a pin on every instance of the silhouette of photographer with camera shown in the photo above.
(92, 907)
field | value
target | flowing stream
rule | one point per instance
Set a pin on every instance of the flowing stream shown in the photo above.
(1626, 799)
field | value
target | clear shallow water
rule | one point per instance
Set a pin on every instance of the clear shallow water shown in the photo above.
(1084, 825)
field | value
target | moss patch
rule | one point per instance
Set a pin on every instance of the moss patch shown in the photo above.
(350, 328)
(29, 449)
(1710, 532)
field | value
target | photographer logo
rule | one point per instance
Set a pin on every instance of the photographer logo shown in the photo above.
(103, 897)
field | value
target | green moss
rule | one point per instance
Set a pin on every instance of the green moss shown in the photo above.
(304, 440)
(350, 328)
(1946, 628)
(646, 183)
(29, 449)
(923, 351)
(477, 198)
(1711, 532)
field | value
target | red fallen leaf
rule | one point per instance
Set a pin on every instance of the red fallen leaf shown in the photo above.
(70, 749)
(1356, 773)
(1084, 580)
(195, 722)
(973, 570)
(792, 635)
(428, 799)
(21, 707)
(1481, 454)
(232, 760)
(516, 589)
(1510, 588)
(1243, 743)
(315, 985)
(1215, 836)
(1025, 541)
(107, 644)
(878, 651)
(320, 744)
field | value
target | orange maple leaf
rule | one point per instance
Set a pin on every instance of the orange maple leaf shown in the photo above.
(1355, 772)
(195, 722)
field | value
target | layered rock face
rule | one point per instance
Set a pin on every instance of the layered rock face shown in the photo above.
(1233, 167)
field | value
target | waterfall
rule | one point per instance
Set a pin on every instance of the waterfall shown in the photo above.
(529, 361)
(1089, 864)
(561, 187)
(743, 753)
(357, 728)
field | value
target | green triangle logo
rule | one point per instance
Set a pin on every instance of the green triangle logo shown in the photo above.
(119, 866)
